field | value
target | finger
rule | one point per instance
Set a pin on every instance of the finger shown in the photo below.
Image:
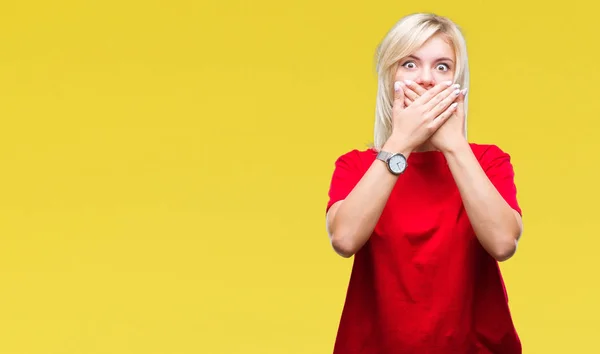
(442, 100)
(433, 92)
(460, 110)
(444, 116)
(412, 95)
(398, 95)
(418, 89)
(407, 102)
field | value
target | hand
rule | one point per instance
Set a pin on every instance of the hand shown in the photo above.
(451, 132)
(412, 91)
(414, 124)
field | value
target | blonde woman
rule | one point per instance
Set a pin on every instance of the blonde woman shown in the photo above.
(426, 214)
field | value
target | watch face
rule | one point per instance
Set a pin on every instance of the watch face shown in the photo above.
(397, 164)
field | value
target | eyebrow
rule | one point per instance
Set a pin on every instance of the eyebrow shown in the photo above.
(439, 59)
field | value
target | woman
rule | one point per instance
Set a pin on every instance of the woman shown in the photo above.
(426, 215)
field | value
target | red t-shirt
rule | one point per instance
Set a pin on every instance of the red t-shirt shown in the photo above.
(423, 283)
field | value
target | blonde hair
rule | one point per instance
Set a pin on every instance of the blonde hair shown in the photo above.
(407, 35)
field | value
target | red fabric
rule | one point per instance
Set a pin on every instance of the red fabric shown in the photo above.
(423, 283)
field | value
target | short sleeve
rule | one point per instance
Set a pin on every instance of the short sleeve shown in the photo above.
(346, 174)
(499, 169)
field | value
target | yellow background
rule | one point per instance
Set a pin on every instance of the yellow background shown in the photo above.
(165, 167)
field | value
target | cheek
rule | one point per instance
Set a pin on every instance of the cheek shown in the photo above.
(444, 76)
(404, 75)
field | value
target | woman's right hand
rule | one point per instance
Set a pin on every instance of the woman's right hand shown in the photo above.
(413, 125)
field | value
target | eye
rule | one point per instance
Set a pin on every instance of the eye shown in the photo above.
(443, 67)
(409, 65)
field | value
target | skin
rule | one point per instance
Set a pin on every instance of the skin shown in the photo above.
(432, 63)
(424, 119)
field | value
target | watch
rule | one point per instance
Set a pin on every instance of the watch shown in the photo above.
(396, 162)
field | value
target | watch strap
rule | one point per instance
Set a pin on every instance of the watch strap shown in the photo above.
(384, 155)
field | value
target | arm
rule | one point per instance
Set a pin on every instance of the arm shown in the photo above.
(498, 226)
(350, 222)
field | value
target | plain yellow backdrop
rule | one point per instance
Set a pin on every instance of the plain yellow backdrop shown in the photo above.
(165, 167)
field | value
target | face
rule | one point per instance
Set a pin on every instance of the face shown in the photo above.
(432, 63)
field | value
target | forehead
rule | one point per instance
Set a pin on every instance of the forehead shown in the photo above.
(435, 47)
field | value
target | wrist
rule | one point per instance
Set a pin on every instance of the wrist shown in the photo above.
(397, 146)
(456, 148)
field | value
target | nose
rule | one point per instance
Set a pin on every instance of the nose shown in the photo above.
(425, 79)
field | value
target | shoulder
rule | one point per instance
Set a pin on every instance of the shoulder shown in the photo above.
(356, 157)
(485, 150)
(488, 153)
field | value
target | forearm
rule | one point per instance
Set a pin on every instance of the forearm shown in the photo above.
(354, 221)
(492, 218)
(357, 215)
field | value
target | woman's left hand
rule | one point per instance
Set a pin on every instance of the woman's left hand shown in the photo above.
(450, 133)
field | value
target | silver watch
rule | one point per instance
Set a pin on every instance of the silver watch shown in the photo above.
(395, 162)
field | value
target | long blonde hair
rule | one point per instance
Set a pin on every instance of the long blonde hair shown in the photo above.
(407, 35)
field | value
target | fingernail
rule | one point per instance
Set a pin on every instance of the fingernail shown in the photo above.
(408, 82)
(448, 83)
(397, 85)
(464, 92)
(456, 92)
(453, 105)
(456, 86)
